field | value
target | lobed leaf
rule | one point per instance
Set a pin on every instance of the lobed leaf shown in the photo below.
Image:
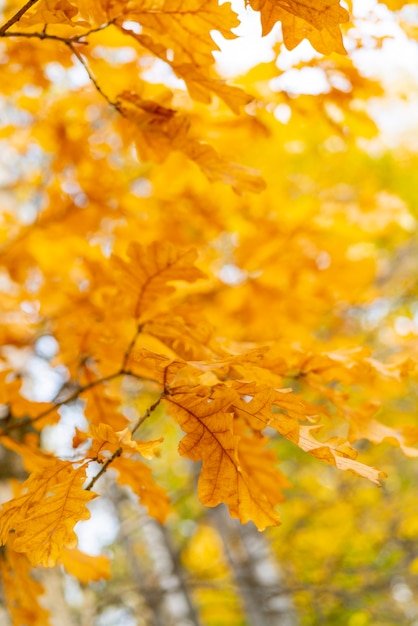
(209, 423)
(40, 522)
(150, 270)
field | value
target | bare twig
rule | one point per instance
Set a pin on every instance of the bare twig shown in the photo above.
(73, 396)
(92, 78)
(131, 347)
(148, 413)
(117, 453)
(44, 35)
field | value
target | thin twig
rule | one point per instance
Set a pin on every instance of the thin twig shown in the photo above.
(117, 453)
(16, 17)
(43, 35)
(31, 420)
(92, 78)
(148, 413)
(131, 347)
(67, 40)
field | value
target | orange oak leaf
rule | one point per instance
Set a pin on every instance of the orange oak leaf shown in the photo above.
(187, 334)
(208, 421)
(363, 427)
(150, 270)
(200, 83)
(336, 451)
(106, 439)
(315, 20)
(103, 408)
(40, 522)
(185, 28)
(259, 412)
(34, 459)
(52, 12)
(21, 407)
(21, 591)
(153, 366)
(138, 477)
(158, 130)
(85, 567)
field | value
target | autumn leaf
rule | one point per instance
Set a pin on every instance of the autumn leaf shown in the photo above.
(200, 83)
(22, 591)
(85, 567)
(40, 521)
(138, 477)
(335, 451)
(185, 29)
(149, 271)
(210, 438)
(159, 130)
(106, 439)
(52, 12)
(315, 20)
(34, 459)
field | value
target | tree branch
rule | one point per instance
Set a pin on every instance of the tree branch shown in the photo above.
(148, 413)
(73, 396)
(16, 17)
(76, 53)
(119, 451)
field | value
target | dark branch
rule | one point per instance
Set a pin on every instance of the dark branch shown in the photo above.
(92, 78)
(16, 17)
(117, 453)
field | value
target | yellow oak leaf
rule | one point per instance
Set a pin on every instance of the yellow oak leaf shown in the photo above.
(258, 412)
(185, 28)
(208, 421)
(188, 335)
(150, 270)
(138, 477)
(158, 130)
(216, 168)
(199, 82)
(335, 451)
(319, 13)
(52, 12)
(102, 408)
(261, 464)
(315, 20)
(40, 521)
(254, 405)
(362, 427)
(325, 40)
(34, 459)
(106, 439)
(21, 407)
(85, 567)
(154, 366)
(21, 591)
